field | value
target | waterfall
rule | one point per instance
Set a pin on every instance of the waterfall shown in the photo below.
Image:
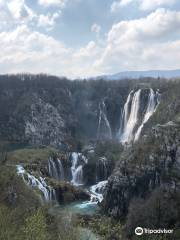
(158, 98)
(151, 107)
(78, 176)
(97, 191)
(74, 159)
(103, 116)
(125, 114)
(47, 191)
(103, 169)
(78, 161)
(55, 169)
(130, 129)
(106, 121)
(130, 120)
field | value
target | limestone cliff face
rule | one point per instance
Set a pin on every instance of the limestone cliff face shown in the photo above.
(44, 124)
(153, 162)
(45, 110)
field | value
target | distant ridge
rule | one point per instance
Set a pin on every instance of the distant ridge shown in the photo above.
(140, 74)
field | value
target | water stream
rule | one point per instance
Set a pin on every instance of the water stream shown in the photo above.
(133, 118)
(55, 169)
(48, 194)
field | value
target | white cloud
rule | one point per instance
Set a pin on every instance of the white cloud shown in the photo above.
(91, 50)
(14, 12)
(20, 10)
(48, 21)
(24, 50)
(95, 28)
(153, 4)
(144, 5)
(23, 45)
(118, 4)
(159, 24)
(47, 3)
(145, 43)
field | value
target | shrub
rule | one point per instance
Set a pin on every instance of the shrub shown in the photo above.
(160, 210)
(35, 227)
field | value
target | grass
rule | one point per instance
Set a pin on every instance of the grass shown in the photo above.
(31, 155)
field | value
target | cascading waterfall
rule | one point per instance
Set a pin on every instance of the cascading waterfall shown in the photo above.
(74, 159)
(125, 113)
(103, 116)
(149, 112)
(78, 176)
(97, 191)
(55, 169)
(130, 130)
(47, 191)
(130, 121)
(103, 169)
(78, 160)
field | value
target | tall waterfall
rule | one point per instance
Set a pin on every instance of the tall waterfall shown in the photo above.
(78, 161)
(103, 117)
(55, 169)
(130, 121)
(125, 113)
(149, 112)
(133, 120)
(47, 191)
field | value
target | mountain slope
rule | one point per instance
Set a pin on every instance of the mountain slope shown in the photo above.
(141, 74)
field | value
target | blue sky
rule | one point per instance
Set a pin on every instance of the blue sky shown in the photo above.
(83, 38)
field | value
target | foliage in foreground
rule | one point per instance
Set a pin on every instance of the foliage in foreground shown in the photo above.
(104, 227)
(21, 215)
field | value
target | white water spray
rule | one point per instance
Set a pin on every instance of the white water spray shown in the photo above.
(47, 191)
(125, 113)
(103, 117)
(130, 120)
(78, 176)
(97, 191)
(78, 161)
(149, 112)
(55, 169)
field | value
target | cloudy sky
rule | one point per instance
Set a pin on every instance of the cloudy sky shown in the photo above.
(82, 38)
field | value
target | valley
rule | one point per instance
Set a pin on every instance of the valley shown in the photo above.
(88, 159)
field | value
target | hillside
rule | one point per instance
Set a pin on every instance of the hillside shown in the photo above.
(110, 148)
(168, 74)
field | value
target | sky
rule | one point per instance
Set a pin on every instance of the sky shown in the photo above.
(86, 38)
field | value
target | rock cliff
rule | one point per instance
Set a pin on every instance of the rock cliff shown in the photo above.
(153, 162)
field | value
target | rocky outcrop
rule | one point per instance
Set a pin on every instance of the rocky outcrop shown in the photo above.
(153, 162)
(44, 125)
(103, 169)
(46, 110)
(67, 193)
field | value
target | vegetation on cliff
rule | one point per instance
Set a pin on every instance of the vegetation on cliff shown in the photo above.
(49, 117)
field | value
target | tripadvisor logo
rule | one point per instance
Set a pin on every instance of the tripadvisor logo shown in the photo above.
(140, 231)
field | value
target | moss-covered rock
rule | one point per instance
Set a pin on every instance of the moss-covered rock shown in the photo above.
(151, 163)
(67, 193)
